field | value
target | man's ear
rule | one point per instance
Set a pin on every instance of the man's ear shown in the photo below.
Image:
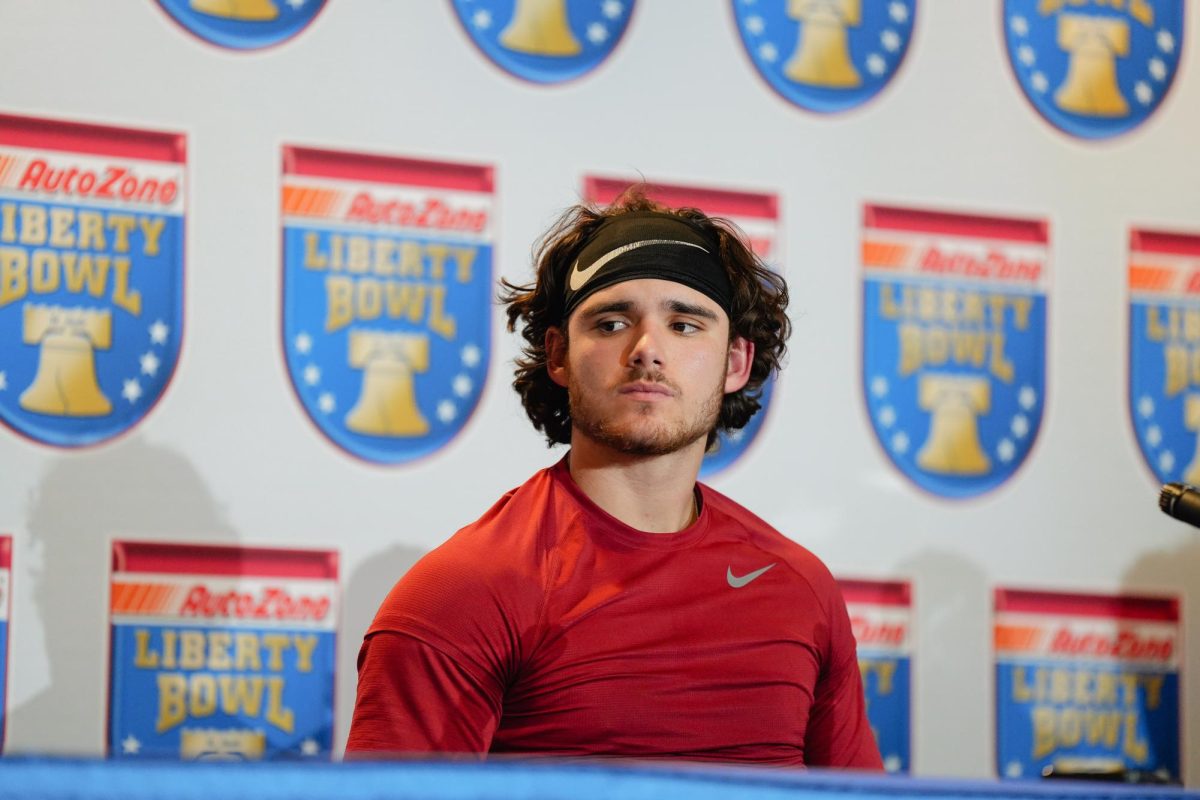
(737, 371)
(556, 355)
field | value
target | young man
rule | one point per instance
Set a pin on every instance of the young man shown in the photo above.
(611, 605)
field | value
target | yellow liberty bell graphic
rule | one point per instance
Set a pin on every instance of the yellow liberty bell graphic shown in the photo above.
(65, 384)
(215, 744)
(822, 56)
(249, 10)
(952, 447)
(387, 403)
(1191, 421)
(1094, 44)
(539, 27)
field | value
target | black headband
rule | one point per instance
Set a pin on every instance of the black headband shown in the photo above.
(648, 244)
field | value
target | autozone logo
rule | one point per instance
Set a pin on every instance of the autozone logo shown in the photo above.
(110, 182)
(1124, 645)
(432, 212)
(267, 603)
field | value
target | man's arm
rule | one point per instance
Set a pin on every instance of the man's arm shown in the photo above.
(838, 733)
(412, 698)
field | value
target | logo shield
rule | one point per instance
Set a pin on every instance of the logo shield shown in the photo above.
(1164, 352)
(826, 55)
(243, 24)
(91, 276)
(545, 41)
(1094, 70)
(387, 297)
(954, 343)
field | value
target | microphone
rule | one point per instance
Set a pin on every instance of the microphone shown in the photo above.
(1182, 502)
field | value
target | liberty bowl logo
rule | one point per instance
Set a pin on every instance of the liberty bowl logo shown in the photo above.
(243, 24)
(545, 41)
(1096, 69)
(826, 55)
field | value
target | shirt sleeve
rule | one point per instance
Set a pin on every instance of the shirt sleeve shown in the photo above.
(838, 733)
(412, 698)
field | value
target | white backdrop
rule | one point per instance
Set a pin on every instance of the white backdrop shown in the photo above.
(229, 455)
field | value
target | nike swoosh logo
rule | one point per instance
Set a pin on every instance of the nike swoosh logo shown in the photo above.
(581, 276)
(738, 582)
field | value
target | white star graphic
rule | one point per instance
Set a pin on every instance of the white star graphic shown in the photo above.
(1143, 92)
(1166, 42)
(131, 390)
(611, 8)
(303, 343)
(1166, 461)
(309, 747)
(446, 411)
(326, 403)
(1026, 55)
(879, 386)
(887, 416)
(1027, 397)
(1154, 436)
(597, 33)
(898, 12)
(1019, 25)
(462, 385)
(1158, 70)
(295, 4)
(768, 53)
(875, 64)
(1039, 82)
(892, 763)
(1020, 426)
(900, 442)
(149, 363)
(312, 374)
(159, 332)
(482, 19)
(130, 745)
(736, 436)
(3, 381)
(755, 25)
(890, 40)
(1014, 769)
(1146, 406)
(471, 355)
(1006, 450)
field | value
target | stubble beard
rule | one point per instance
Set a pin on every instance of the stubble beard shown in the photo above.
(646, 438)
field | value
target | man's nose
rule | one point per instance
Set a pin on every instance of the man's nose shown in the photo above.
(646, 350)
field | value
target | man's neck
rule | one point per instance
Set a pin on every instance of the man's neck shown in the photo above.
(655, 494)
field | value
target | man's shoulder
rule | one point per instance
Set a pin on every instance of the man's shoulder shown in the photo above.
(737, 520)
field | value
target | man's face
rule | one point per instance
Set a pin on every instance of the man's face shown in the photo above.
(647, 366)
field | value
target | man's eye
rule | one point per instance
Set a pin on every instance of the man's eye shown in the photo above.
(685, 327)
(610, 325)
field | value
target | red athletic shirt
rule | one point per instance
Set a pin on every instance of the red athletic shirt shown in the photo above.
(550, 627)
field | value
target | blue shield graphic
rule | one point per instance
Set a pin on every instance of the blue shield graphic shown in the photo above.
(826, 55)
(1094, 70)
(91, 277)
(243, 24)
(545, 41)
(954, 341)
(732, 444)
(1164, 352)
(387, 300)
(1086, 681)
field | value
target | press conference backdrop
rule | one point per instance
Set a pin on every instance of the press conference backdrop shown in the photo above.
(251, 369)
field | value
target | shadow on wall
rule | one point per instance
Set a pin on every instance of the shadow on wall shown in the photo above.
(1176, 570)
(362, 594)
(953, 639)
(128, 491)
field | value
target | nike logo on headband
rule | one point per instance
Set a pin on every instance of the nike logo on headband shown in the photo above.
(581, 276)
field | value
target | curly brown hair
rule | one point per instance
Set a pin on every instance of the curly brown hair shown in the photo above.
(758, 311)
